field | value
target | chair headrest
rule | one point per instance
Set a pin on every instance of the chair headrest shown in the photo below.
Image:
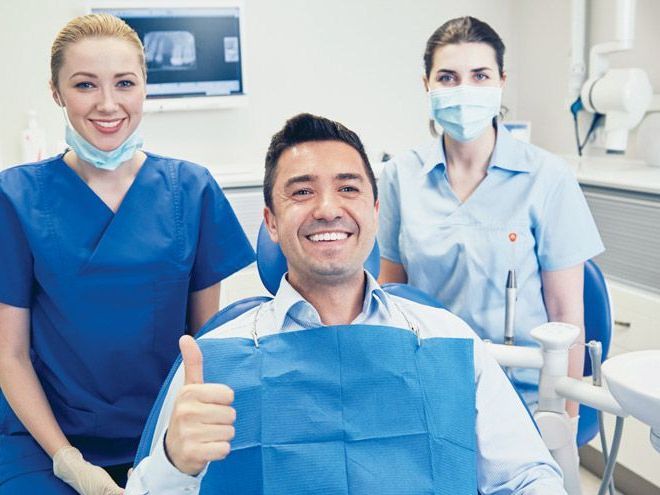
(271, 262)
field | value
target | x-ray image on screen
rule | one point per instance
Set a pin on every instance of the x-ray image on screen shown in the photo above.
(189, 51)
(170, 50)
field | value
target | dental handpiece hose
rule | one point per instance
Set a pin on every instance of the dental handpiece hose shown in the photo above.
(510, 307)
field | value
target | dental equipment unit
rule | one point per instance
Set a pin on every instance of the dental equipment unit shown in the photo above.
(629, 392)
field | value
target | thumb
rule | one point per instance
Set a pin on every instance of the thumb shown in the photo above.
(192, 360)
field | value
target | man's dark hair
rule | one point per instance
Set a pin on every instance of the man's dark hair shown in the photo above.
(304, 128)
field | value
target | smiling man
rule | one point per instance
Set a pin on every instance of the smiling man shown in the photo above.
(335, 386)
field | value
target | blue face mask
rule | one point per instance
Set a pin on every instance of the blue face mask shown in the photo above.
(106, 160)
(465, 111)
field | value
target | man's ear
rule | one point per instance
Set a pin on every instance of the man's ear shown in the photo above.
(271, 224)
(376, 209)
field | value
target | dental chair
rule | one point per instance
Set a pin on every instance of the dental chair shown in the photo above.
(271, 265)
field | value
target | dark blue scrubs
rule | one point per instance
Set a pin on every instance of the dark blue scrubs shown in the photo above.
(107, 294)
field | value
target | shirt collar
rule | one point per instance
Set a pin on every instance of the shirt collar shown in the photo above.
(288, 301)
(509, 154)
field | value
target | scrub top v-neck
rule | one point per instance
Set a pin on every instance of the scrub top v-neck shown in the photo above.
(108, 291)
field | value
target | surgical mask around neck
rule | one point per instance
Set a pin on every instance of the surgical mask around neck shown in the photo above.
(465, 111)
(106, 160)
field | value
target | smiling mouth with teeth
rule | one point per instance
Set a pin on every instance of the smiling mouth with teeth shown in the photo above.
(328, 236)
(114, 123)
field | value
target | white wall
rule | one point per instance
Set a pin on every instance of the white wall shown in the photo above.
(357, 61)
(543, 45)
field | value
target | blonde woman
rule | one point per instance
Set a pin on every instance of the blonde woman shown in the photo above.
(109, 254)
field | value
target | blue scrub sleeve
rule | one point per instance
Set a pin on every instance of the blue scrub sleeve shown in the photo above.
(389, 216)
(566, 234)
(16, 263)
(223, 247)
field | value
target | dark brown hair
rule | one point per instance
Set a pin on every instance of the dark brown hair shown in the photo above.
(304, 128)
(464, 30)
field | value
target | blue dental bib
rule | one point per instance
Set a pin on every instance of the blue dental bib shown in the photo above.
(354, 409)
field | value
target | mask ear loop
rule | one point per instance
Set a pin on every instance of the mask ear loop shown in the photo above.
(65, 115)
(60, 101)
(67, 122)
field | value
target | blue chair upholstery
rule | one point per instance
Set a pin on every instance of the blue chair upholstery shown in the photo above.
(597, 311)
(271, 263)
(597, 326)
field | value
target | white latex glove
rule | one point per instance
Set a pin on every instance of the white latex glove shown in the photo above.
(82, 476)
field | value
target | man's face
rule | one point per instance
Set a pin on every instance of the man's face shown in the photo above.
(323, 216)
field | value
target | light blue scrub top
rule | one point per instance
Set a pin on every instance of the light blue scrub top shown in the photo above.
(461, 252)
(107, 292)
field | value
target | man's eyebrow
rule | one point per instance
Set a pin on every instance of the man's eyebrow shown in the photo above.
(349, 176)
(297, 179)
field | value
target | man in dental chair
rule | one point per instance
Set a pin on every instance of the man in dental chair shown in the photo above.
(335, 386)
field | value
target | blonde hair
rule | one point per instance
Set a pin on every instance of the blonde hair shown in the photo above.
(92, 26)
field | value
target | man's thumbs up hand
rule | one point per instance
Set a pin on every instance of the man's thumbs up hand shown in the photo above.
(201, 425)
(193, 362)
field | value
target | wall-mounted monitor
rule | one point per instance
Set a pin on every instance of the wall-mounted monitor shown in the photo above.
(193, 50)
